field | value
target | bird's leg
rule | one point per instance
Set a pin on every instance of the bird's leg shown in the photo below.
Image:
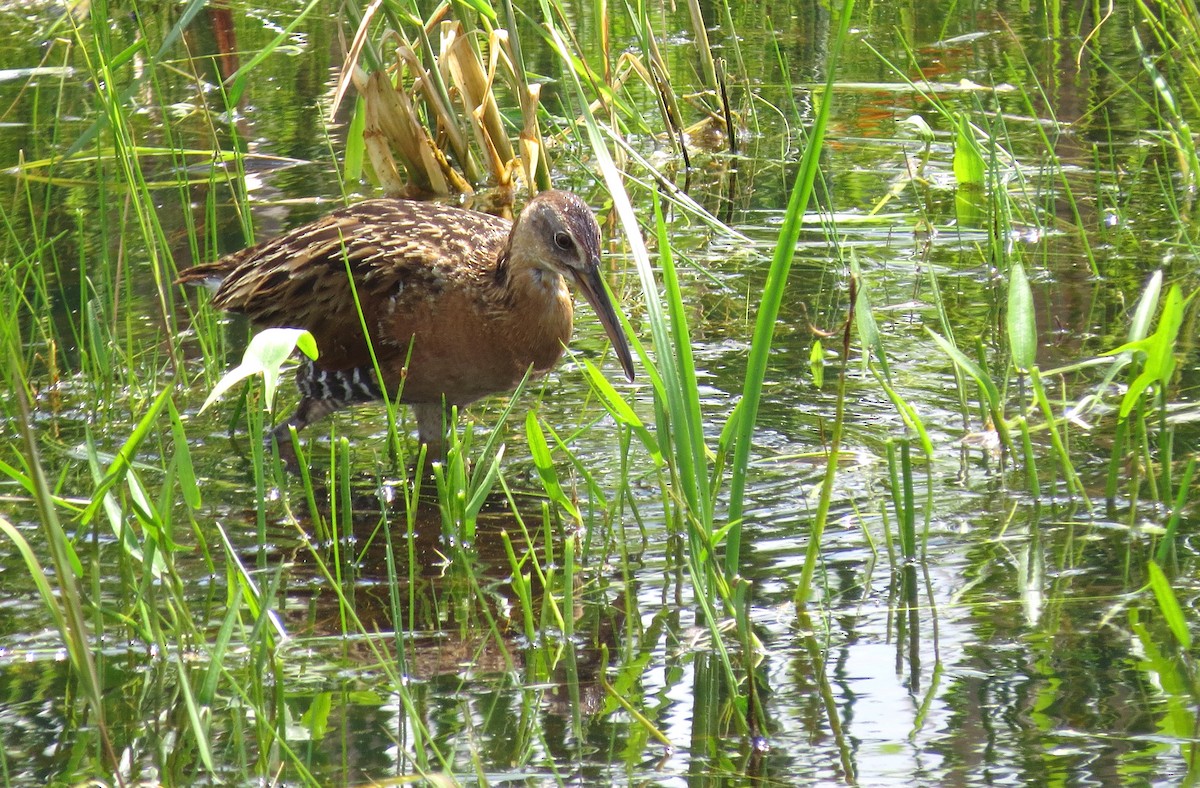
(308, 411)
(433, 419)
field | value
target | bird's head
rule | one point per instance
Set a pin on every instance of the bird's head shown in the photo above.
(557, 233)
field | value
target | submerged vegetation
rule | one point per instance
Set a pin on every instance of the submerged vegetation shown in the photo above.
(915, 291)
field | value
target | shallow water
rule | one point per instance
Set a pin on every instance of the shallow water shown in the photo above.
(1021, 648)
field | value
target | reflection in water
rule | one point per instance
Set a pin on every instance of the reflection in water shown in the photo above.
(446, 611)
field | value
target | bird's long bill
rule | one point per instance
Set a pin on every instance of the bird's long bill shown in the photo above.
(592, 287)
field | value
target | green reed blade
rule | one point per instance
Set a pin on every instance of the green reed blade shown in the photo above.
(1181, 499)
(773, 292)
(195, 717)
(983, 380)
(1060, 448)
(183, 459)
(1168, 605)
(540, 450)
(238, 80)
(67, 570)
(519, 581)
(969, 174)
(683, 393)
(38, 575)
(116, 470)
(621, 411)
(868, 329)
(481, 488)
(493, 447)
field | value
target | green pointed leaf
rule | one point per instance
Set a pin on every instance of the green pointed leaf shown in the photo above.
(1022, 323)
(1159, 349)
(356, 146)
(1160, 355)
(969, 173)
(864, 321)
(316, 718)
(36, 574)
(970, 367)
(621, 411)
(816, 363)
(483, 488)
(969, 168)
(1168, 605)
(1147, 304)
(185, 472)
(990, 392)
(545, 464)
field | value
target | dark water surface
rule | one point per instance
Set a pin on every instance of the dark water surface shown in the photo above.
(1022, 649)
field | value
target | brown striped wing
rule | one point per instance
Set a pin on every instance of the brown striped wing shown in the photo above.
(403, 257)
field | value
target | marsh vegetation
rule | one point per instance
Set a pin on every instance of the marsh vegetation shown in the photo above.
(903, 492)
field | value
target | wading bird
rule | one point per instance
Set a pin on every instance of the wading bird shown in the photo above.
(457, 304)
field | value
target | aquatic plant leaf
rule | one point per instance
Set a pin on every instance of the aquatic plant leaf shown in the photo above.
(864, 321)
(316, 718)
(483, 487)
(184, 470)
(969, 172)
(969, 168)
(1164, 670)
(540, 451)
(265, 355)
(1158, 348)
(1139, 327)
(1160, 354)
(990, 392)
(121, 462)
(621, 411)
(1167, 544)
(909, 414)
(37, 575)
(356, 146)
(970, 367)
(1168, 605)
(483, 8)
(236, 84)
(1021, 321)
(493, 445)
(919, 126)
(816, 363)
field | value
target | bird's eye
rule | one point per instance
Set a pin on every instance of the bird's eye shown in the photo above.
(563, 241)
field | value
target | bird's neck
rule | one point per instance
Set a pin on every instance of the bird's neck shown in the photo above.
(542, 312)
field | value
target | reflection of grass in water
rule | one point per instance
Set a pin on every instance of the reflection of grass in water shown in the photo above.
(558, 615)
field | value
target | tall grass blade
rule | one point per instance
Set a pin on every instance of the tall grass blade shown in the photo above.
(75, 630)
(621, 411)
(1167, 545)
(983, 380)
(239, 79)
(772, 296)
(1168, 605)
(825, 498)
(540, 450)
